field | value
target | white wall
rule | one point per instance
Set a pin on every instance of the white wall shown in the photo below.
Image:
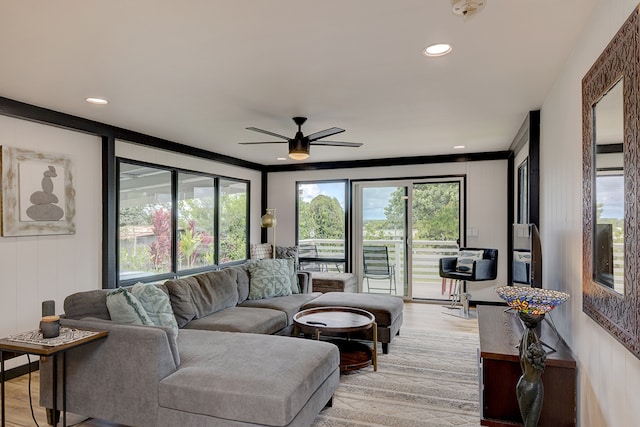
(609, 375)
(38, 268)
(486, 203)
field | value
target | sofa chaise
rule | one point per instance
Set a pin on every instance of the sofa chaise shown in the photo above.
(223, 367)
(229, 360)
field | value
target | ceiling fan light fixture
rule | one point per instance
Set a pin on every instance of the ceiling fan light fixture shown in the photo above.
(298, 155)
(299, 148)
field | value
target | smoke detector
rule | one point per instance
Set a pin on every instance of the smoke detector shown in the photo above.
(467, 8)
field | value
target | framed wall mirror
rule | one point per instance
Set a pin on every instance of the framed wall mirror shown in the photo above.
(610, 147)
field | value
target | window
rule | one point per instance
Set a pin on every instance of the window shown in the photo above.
(145, 208)
(167, 222)
(322, 225)
(234, 212)
(196, 212)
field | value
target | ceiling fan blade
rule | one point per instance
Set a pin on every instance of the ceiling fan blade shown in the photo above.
(338, 143)
(263, 142)
(324, 133)
(267, 132)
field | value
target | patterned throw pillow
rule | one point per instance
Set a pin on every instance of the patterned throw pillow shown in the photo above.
(285, 252)
(124, 307)
(157, 305)
(466, 259)
(261, 251)
(270, 278)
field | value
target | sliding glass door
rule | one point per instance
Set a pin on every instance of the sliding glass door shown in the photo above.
(384, 212)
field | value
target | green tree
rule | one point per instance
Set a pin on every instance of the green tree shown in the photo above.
(435, 213)
(321, 218)
(233, 226)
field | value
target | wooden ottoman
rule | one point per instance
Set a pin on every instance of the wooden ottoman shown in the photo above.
(387, 310)
(334, 282)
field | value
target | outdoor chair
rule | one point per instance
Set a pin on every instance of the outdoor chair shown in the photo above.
(376, 266)
(310, 251)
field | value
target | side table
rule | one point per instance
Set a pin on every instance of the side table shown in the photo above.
(21, 344)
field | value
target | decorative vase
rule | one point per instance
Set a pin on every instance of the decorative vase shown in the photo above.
(532, 304)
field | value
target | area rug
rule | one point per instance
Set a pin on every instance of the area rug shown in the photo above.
(427, 379)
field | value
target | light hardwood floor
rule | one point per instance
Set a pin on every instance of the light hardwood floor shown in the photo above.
(424, 317)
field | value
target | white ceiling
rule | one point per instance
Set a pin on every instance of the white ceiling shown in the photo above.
(199, 72)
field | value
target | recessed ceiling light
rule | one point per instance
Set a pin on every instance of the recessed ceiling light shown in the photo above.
(97, 101)
(459, 147)
(437, 49)
(281, 158)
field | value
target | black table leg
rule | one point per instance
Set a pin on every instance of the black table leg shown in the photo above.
(64, 389)
(2, 386)
(54, 362)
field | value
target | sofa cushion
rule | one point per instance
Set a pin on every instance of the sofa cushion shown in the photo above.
(271, 278)
(87, 304)
(242, 282)
(200, 295)
(156, 303)
(124, 307)
(242, 319)
(385, 308)
(289, 304)
(257, 381)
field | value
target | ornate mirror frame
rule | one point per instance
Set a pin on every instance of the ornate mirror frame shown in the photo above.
(615, 312)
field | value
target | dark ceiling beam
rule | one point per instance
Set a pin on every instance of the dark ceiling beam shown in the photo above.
(21, 110)
(394, 161)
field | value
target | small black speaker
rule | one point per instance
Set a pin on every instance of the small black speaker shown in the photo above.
(48, 308)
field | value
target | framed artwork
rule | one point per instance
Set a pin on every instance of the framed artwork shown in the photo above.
(38, 196)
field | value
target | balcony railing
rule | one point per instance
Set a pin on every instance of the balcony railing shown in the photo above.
(426, 253)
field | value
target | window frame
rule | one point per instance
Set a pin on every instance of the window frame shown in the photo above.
(347, 205)
(174, 271)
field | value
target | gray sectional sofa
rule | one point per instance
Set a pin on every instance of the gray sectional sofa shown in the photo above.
(226, 366)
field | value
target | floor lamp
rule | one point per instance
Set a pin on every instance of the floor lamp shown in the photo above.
(268, 220)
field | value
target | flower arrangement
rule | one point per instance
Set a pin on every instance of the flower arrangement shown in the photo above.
(530, 300)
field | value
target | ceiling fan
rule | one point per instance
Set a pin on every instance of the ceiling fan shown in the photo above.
(299, 145)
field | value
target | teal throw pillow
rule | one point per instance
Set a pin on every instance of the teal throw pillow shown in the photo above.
(124, 307)
(466, 259)
(270, 278)
(157, 305)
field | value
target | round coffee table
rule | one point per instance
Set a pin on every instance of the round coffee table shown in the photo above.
(342, 320)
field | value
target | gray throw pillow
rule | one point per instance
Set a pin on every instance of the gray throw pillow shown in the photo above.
(197, 296)
(157, 305)
(124, 307)
(270, 278)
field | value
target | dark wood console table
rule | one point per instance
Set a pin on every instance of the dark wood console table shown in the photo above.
(500, 333)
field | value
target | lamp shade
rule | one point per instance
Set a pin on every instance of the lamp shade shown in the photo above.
(268, 220)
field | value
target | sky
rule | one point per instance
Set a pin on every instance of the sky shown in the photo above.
(610, 192)
(375, 199)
